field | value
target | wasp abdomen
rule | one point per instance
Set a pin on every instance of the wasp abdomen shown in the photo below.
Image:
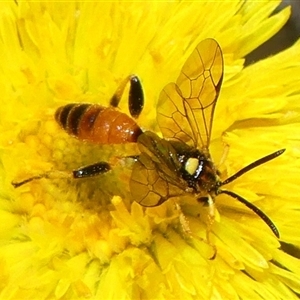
(97, 124)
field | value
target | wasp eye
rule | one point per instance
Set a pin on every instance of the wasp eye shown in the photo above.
(192, 165)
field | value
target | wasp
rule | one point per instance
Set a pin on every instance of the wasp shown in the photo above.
(179, 162)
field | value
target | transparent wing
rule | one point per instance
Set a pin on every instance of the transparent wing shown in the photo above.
(185, 109)
(155, 176)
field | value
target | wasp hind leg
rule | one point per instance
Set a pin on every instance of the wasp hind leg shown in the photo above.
(83, 172)
(47, 175)
(92, 170)
(135, 97)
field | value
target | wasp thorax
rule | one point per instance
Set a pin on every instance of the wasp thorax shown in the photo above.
(191, 165)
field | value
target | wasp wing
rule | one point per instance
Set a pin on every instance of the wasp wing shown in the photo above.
(156, 173)
(185, 109)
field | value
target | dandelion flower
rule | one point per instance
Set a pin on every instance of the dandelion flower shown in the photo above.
(66, 238)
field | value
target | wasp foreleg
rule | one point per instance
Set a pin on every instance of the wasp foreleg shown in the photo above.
(211, 215)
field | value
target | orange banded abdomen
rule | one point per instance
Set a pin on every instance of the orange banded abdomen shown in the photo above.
(97, 124)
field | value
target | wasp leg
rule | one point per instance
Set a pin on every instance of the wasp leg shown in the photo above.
(186, 228)
(47, 175)
(183, 220)
(19, 183)
(210, 221)
(83, 172)
(210, 203)
(224, 155)
(135, 97)
(92, 170)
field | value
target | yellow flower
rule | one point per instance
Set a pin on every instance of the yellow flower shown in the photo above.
(66, 238)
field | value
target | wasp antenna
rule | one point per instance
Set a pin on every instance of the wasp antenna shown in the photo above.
(252, 166)
(255, 209)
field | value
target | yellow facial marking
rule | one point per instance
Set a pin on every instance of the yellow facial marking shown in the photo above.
(191, 165)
